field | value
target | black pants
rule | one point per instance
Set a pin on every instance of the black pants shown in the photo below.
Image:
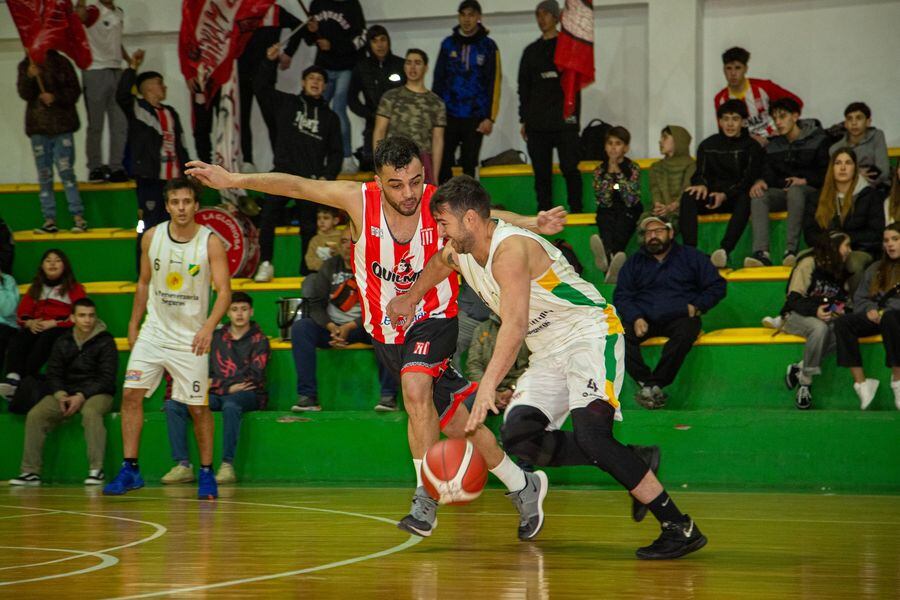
(272, 214)
(28, 351)
(540, 150)
(7, 334)
(462, 134)
(257, 80)
(849, 328)
(682, 333)
(153, 207)
(739, 207)
(616, 225)
(202, 116)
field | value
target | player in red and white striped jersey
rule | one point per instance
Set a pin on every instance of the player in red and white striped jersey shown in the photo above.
(395, 237)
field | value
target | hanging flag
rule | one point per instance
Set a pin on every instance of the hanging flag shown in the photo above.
(575, 50)
(227, 134)
(50, 25)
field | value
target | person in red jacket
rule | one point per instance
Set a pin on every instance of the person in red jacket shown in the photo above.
(44, 314)
(757, 93)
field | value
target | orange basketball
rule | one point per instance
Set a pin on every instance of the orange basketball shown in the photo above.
(454, 472)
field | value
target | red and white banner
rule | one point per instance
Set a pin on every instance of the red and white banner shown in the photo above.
(227, 134)
(575, 50)
(50, 25)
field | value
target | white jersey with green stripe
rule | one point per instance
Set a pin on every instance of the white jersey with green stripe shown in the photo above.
(563, 307)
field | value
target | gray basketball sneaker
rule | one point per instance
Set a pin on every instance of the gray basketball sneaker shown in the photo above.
(422, 517)
(529, 501)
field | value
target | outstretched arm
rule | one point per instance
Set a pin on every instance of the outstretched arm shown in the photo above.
(401, 309)
(546, 222)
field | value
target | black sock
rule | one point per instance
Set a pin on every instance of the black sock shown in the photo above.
(664, 509)
(132, 462)
(207, 467)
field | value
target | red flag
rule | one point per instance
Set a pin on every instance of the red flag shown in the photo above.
(575, 50)
(51, 25)
(213, 34)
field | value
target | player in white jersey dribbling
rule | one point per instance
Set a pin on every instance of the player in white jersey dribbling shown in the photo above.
(577, 352)
(179, 259)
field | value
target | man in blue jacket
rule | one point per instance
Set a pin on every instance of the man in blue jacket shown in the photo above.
(467, 78)
(662, 291)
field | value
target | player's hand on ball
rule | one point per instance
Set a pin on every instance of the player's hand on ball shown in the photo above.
(202, 341)
(551, 221)
(484, 400)
(400, 310)
(212, 176)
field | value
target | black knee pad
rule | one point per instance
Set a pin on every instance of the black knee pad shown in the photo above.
(593, 427)
(521, 432)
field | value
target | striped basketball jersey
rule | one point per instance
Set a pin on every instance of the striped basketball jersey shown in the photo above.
(386, 268)
(563, 307)
(178, 300)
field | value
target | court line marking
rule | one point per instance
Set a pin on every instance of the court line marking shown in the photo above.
(106, 560)
(22, 516)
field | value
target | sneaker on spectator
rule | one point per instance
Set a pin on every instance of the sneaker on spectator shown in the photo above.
(775, 322)
(29, 479)
(719, 259)
(601, 260)
(659, 397)
(306, 404)
(8, 387)
(349, 165)
(804, 398)
(49, 226)
(80, 226)
(179, 474)
(265, 272)
(866, 392)
(644, 397)
(758, 259)
(118, 176)
(615, 265)
(895, 387)
(387, 404)
(95, 477)
(99, 175)
(226, 473)
(792, 376)
(789, 259)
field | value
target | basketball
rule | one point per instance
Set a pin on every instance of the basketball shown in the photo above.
(454, 472)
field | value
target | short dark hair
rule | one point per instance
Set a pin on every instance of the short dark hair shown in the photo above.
(315, 69)
(460, 194)
(732, 107)
(375, 31)
(418, 51)
(473, 4)
(396, 151)
(736, 54)
(328, 210)
(858, 107)
(183, 183)
(618, 132)
(241, 297)
(87, 302)
(146, 76)
(786, 104)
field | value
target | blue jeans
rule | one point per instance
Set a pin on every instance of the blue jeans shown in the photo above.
(336, 91)
(232, 406)
(306, 336)
(59, 150)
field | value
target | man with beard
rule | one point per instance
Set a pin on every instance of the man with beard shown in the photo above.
(395, 235)
(662, 291)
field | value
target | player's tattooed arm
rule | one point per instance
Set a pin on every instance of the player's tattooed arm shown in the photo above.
(448, 256)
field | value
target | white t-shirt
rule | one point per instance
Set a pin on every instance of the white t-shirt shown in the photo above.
(104, 32)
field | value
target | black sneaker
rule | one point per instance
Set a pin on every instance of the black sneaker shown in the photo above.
(387, 404)
(306, 404)
(758, 259)
(47, 227)
(650, 456)
(676, 539)
(98, 175)
(118, 176)
(804, 398)
(792, 376)
(26, 479)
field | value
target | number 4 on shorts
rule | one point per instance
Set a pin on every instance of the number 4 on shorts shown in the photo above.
(592, 385)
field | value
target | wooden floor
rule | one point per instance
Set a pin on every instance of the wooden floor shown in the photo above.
(342, 543)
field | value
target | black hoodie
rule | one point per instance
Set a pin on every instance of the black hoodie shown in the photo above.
(371, 78)
(308, 141)
(342, 23)
(540, 92)
(729, 164)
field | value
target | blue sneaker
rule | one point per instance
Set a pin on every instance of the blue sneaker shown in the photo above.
(128, 479)
(207, 489)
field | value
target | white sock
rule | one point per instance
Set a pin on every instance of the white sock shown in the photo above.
(895, 384)
(417, 465)
(512, 476)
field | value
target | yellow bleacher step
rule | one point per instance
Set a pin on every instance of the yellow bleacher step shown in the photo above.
(775, 273)
(274, 343)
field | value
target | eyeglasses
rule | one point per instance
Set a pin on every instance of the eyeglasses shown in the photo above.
(655, 231)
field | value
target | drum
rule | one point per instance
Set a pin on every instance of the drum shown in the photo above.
(289, 310)
(239, 234)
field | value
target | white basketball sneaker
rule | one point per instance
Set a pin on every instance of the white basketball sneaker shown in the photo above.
(265, 272)
(866, 392)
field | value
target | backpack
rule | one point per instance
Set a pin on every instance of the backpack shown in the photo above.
(31, 389)
(569, 252)
(507, 157)
(593, 140)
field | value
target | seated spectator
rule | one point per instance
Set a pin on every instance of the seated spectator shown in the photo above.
(816, 297)
(335, 320)
(325, 243)
(472, 313)
(848, 203)
(481, 348)
(876, 310)
(416, 112)
(892, 203)
(868, 143)
(81, 373)
(237, 371)
(309, 145)
(617, 187)
(9, 302)
(51, 91)
(44, 314)
(728, 163)
(755, 93)
(670, 176)
(662, 291)
(793, 172)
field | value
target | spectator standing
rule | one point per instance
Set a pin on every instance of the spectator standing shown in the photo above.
(481, 349)
(543, 126)
(793, 172)
(238, 358)
(81, 373)
(867, 142)
(309, 145)
(757, 94)
(51, 92)
(670, 176)
(415, 112)
(381, 70)
(338, 28)
(662, 291)
(325, 243)
(104, 23)
(728, 164)
(467, 78)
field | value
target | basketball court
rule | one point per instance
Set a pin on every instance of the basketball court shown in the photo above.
(341, 543)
